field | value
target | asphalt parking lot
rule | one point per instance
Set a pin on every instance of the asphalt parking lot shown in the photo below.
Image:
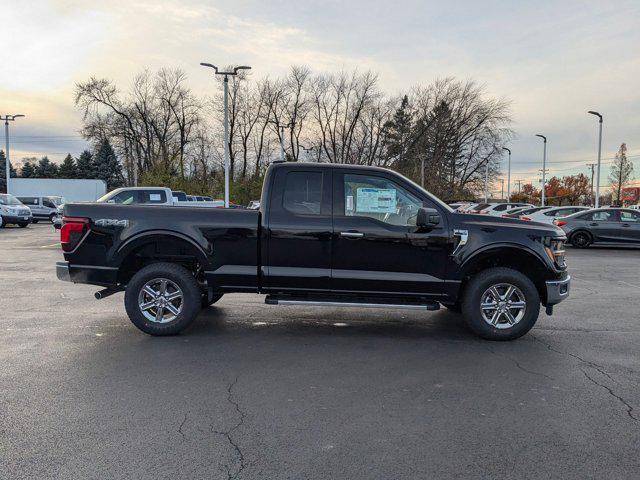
(260, 392)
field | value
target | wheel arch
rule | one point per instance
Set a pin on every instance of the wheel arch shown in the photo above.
(519, 258)
(158, 246)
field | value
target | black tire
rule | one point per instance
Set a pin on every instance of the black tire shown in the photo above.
(206, 302)
(480, 284)
(581, 239)
(23, 225)
(51, 217)
(190, 303)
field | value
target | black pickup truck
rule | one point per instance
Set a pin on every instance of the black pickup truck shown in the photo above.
(333, 235)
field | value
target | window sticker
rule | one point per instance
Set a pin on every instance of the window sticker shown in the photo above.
(349, 204)
(376, 200)
(155, 197)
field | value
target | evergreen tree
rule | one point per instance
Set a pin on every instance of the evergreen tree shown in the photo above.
(3, 170)
(620, 173)
(46, 168)
(84, 165)
(68, 168)
(106, 166)
(398, 132)
(28, 169)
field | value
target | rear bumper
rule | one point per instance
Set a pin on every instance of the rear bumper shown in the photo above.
(557, 290)
(91, 274)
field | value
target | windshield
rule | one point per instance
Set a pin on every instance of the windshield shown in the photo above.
(6, 199)
(481, 206)
(180, 196)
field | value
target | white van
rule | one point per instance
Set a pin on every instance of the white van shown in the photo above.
(43, 207)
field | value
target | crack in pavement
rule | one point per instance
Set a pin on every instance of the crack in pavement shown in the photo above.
(184, 420)
(593, 365)
(227, 434)
(517, 364)
(613, 394)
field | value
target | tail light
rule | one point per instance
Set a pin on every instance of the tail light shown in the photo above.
(559, 223)
(528, 219)
(72, 232)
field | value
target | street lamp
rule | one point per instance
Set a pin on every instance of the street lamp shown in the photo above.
(599, 154)
(7, 119)
(227, 161)
(486, 182)
(508, 174)
(544, 166)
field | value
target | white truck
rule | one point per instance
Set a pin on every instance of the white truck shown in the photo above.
(153, 196)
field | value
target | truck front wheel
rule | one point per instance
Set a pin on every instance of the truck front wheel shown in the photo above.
(500, 304)
(162, 299)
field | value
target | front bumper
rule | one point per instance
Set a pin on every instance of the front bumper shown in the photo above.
(557, 290)
(12, 219)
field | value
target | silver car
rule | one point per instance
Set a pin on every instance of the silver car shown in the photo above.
(12, 211)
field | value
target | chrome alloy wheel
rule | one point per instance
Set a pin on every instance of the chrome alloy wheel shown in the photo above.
(503, 305)
(160, 300)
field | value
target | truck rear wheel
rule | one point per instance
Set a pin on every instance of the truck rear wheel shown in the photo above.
(162, 299)
(500, 304)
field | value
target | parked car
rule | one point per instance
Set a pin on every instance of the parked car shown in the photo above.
(497, 209)
(42, 207)
(601, 226)
(548, 215)
(514, 212)
(524, 214)
(13, 212)
(325, 234)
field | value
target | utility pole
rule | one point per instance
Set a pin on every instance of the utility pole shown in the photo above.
(519, 182)
(227, 160)
(502, 189)
(7, 119)
(544, 167)
(597, 203)
(281, 128)
(591, 165)
(508, 174)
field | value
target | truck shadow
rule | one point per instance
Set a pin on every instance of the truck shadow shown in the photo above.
(442, 325)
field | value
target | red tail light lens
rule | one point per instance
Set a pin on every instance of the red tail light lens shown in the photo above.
(525, 218)
(72, 232)
(559, 223)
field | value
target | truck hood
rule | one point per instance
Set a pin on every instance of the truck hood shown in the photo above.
(487, 222)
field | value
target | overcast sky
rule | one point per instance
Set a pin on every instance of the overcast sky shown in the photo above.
(553, 60)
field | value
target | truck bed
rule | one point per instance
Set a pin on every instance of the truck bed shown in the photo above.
(223, 241)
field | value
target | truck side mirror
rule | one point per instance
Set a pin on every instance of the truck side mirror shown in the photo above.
(427, 217)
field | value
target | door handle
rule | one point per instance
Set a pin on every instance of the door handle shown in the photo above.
(351, 234)
(626, 225)
(594, 224)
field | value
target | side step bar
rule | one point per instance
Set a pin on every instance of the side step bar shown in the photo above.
(275, 300)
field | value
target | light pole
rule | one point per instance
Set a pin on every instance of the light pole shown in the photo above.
(7, 119)
(486, 182)
(508, 174)
(227, 161)
(599, 155)
(544, 166)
